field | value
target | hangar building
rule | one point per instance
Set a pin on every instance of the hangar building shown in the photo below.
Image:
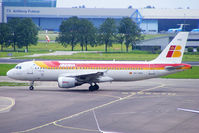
(46, 15)
(51, 18)
(160, 20)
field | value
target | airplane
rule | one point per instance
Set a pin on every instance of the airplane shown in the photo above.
(195, 30)
(175, 30)
(70, 74)
(47, 39)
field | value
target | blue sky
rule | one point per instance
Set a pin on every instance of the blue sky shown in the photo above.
(193, 4)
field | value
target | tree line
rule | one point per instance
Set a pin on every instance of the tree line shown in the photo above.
(22, 32)
(75, 31)
(18, 32)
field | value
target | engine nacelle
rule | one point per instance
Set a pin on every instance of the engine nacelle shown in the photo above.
(67, 82)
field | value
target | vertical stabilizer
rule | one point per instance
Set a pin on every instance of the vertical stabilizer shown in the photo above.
(173, 53)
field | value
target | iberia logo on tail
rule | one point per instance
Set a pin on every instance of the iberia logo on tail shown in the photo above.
(174, 51)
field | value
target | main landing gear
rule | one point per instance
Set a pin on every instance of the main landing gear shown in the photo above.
(94, 87)
(31, 85)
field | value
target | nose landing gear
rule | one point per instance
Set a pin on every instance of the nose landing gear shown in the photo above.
(31, 85)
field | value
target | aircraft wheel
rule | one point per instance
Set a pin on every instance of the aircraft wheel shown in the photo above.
(31, 88)
(96, 87)
(91, 88)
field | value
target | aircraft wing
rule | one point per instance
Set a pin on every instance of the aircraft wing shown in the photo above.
(169, 68)
(88, 77)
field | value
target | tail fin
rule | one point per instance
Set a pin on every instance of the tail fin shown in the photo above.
(173, 53)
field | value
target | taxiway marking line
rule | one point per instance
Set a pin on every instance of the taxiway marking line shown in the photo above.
(107, 96)
(152, 96)
(152, 93)
(94, 108)
(10, 106)
(75, 128)
(124, 113)
(125, 93)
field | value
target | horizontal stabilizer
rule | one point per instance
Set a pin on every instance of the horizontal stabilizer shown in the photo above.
(169, 68)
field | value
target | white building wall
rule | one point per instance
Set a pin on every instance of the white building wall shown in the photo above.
(149, 26)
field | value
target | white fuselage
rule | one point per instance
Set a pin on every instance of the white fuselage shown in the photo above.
(32, 72)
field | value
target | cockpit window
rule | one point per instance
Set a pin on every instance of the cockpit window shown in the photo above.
(18, 67)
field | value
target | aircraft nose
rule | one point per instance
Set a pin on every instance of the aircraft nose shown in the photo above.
(10, 74)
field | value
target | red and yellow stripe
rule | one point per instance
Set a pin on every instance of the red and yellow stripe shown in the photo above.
(58, 65)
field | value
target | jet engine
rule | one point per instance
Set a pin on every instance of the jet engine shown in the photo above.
(67, 82)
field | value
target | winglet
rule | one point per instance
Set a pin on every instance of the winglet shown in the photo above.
(173, 53)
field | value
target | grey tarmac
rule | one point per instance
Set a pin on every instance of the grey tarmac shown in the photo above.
(148, 106)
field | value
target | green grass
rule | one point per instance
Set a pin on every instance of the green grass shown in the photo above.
(50, 47)
(52, 36)
(188, 57)
(13, 84)
(43, 36)
(114, 52)
(33, 49)
(14, 54)
(134, 56)
(101, 56)
(188, 74)
(5, 67)
(45, 47)
(150, 36)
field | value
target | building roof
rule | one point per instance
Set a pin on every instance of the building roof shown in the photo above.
(100, 12)
(169, 13)
(65, 12)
